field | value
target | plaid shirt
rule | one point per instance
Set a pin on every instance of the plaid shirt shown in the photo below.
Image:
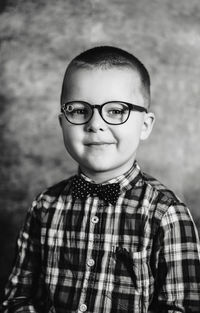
(141, 255)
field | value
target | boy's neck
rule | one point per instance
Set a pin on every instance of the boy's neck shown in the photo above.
(101, 177)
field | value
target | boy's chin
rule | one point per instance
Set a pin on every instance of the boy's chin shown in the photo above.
(96, 168)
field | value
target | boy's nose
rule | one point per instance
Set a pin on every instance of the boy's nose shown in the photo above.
(96, 123)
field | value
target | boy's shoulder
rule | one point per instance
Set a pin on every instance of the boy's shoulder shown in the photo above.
(50, 199)
(62, 188)
(53, 192)
(59, 187)
(162, 191)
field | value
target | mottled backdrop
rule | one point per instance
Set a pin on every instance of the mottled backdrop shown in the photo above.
(38, 38)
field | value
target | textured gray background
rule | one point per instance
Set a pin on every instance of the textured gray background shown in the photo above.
(38, 38)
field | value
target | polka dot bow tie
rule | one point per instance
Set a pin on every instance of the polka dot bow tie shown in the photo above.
(108, 192)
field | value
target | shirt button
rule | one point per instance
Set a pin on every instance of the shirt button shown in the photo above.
(95, 219)
(90, 262)
(83, 307)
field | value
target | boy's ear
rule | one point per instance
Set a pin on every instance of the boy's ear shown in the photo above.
(147, 127)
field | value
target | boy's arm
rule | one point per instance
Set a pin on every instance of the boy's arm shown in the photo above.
(178, 275)
(25, 278)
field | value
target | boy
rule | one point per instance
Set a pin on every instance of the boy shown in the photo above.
(110, 239)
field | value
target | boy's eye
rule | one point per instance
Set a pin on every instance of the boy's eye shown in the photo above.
(116, 111)
(79, 111)
(74, 109)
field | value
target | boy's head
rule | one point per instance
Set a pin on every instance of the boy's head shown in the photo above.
(108, 57)
(105, 97)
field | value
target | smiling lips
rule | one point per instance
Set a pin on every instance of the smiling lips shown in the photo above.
(99, 143)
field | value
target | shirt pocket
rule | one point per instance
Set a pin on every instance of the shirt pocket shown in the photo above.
(130, 282)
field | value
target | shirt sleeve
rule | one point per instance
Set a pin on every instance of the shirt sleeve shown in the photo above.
(25, 281)
(178, 274)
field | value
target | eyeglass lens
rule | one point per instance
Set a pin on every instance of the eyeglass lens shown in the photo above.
(111, 112)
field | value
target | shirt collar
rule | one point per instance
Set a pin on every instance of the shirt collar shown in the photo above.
(126, 180)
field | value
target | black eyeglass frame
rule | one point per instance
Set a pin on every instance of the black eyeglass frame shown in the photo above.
(99, 107)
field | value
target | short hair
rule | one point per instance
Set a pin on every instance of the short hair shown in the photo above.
(107, 57)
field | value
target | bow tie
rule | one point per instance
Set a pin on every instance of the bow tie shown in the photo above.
(82, 188)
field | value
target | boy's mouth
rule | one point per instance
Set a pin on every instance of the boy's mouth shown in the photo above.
(98, 143)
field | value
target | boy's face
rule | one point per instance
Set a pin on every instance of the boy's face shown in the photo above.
(105, 151)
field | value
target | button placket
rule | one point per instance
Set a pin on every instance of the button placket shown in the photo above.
(88, 280)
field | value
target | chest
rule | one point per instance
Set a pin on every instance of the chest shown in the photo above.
(96, 247)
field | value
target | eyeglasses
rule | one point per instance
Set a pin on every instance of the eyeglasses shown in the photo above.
(112, 112)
